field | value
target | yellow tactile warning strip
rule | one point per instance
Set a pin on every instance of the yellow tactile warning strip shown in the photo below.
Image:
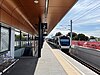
(69, 69)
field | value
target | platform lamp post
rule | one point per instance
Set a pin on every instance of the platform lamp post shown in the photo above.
(70, 31)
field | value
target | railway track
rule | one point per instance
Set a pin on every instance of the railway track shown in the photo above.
(85, 64)
(81, 61)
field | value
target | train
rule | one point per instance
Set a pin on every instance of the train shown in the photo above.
(61, 42)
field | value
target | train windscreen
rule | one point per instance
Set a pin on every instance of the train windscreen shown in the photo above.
(65, 41)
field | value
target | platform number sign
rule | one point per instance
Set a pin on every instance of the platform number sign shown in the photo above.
(44, 25)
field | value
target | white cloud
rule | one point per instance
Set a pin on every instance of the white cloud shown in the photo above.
(91, 9)
(95, 33)
(98, 20)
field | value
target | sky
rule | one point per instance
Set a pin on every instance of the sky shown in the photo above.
(85, 15)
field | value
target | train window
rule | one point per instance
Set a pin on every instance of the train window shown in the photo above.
(64, 40)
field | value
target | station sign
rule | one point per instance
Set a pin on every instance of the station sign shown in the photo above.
(44, 25)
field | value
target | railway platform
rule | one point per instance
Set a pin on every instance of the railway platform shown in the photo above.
(24, 24)
(55, 62)
(52, 62)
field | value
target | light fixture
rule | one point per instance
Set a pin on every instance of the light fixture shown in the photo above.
(46, 7)
(36, 1)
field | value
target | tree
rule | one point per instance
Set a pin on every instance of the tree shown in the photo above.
(58, 34)
(86, 38)
(73, 35)
(92, 37)
(81, 37)
(17, 37)
(98, 39)
(75, 38)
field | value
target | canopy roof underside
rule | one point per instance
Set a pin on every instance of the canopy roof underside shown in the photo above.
(25, 14)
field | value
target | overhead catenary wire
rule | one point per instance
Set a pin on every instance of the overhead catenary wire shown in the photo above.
(86, 20)
(85, 23)
(77, 17)
(83, 4)
(96, 6)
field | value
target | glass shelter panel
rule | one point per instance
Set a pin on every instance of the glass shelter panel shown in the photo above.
(4, 39)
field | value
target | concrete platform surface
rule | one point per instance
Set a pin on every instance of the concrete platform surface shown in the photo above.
(55, 62)
(48, 64)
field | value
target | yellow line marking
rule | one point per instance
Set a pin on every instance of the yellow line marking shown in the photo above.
(73, 65)
(69, 69)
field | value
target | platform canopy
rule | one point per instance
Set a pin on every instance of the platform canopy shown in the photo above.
(25, 14)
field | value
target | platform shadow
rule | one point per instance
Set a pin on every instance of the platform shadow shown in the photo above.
(25, 66)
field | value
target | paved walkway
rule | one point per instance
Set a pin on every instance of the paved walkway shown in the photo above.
(52, 62)
(55, 62)
(25, 66)
(48, 64)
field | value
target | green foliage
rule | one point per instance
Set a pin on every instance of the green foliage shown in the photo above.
(86, 38)
(17, 37)
(80, 37)
(75, 38)
(98, 39)
(58, 34)
(73, 34)
(92, 37)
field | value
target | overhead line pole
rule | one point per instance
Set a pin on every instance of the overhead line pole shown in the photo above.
(71, 31)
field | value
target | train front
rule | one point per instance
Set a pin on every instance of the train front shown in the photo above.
(64, 42)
